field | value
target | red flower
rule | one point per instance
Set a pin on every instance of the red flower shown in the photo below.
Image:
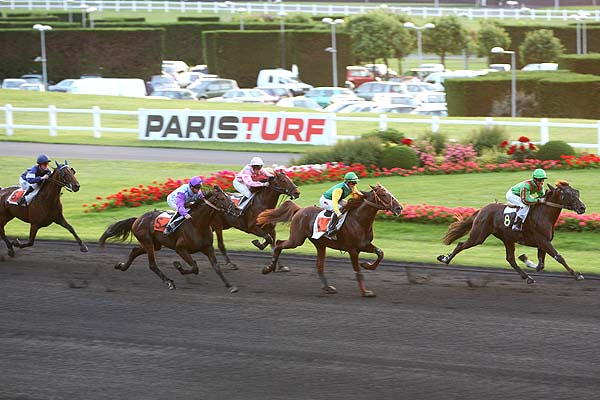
(406, 141)
(523, 139)
(504, 144)
(522, 147)
(532, 146)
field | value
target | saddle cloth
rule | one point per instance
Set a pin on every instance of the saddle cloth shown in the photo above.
(511, 208)
(322, 222)
(15, 196)
(237, 197)
(161, 220)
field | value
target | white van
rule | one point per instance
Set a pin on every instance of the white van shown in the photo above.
(130, 87)
(438, 78)
(282, 78)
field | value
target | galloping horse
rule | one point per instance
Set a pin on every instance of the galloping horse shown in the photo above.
(355, 235)
(538, 230)
(192, 236)
(265, 197)
(44, 210)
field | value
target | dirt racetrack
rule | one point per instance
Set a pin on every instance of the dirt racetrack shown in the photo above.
(71, 327)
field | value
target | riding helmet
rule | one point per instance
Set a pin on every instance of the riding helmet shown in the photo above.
(539, 174)
(257, 161)
(351, 177)
(43, 159)
(196, 182)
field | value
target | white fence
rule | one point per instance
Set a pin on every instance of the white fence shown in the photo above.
(52, 126)
(274, 8)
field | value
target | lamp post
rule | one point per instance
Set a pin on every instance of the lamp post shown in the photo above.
(419, 29)
(513, 81)
(241, 10)
(581, 31)
(282, 15)
(333, 48)
(90, 10)
(84, 8)
(42, 29)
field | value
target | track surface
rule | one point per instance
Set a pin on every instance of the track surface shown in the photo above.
(71, 327)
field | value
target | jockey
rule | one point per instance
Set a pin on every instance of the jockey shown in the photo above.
(525, 194)
(177, 199)
(252, 175)
(331, 199)
(32, 179)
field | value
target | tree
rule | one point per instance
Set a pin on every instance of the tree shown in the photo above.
(540, 46)
(448, 37)
(491, 35)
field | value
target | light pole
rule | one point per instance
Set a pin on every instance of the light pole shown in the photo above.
(581, 31)
(419, 29)
(282, 15)
(42, 29)
(90, 10)
(333, 48)
(84, 8)
(513, 81)
(241, 10)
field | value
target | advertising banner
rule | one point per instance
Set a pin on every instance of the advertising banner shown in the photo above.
(237, 126)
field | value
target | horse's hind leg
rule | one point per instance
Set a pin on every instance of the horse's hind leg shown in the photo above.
(183, 253)
(510, 257)
(154, 267)
(223, 250)
(280, 266)
(63, 222)
(321, 252)
(295, 240)
(135, 252)
(11, 251)
(210, 253)
(359, 276)
(548, 248)
(33, 230)
(477, 236)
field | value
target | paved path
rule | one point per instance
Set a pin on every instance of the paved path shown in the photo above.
(68, 151)
(125, 336)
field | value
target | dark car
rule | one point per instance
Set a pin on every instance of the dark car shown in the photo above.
(62, 86)
(279, 92)
(209, 88)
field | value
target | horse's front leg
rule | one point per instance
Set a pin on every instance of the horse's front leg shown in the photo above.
(370, 248)
(9, 245)
(547, 247)
(223, 250)
(209, 251)
(187, 257)
(510, 257)
(33, 230)
(359, 276)
(541, 259)
(321, 253)
(63, 222)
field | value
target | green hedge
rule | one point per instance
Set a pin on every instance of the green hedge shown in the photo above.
(241, 54)
(36, 19)
(569, 96)
(29, 25)
(75, 52)
(198, 19)
(582, 64)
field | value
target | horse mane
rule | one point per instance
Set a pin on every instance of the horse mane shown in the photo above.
(562, 182)
(355, 201)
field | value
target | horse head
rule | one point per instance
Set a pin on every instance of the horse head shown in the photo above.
(64, 176)
(565, 195)
(221, 201)
(281, 183)
(384, 200)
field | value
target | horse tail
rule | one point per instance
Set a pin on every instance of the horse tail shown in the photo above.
(284, 213)
(459, 228)
(120, 229)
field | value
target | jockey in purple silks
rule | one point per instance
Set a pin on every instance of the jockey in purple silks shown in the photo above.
(252, 175)
(177, 199)
(32, 179)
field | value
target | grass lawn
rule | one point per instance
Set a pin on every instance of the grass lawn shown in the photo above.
(400, 241)
(344, 128)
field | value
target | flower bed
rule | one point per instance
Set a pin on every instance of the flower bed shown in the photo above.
(332, 172)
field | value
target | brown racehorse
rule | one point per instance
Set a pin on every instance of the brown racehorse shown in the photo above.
(265, 197)
(355, 235)
(44, 209)
(538, 230)
(192, 236)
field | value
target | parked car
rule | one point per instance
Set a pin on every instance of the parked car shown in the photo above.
(436, 109)
(33, 87)
(209, 88)
(246, 96)
(438, 78)
(339, 105)
(282, 77)
(176, 66)
(12, 83)
(62, 86)
(356, 76)
(161, 82)
(394, 109)
(176, 94)
(500, 67)
(361, 106)
(431, 98)
(323, 95)
(280, 92)
(391, 99)
(381, 70)
(415, 87)
(433, 67)
(186, 78)
(33, 78)
(130, 87)
(299, 101)
(541, 67)
(370, 89)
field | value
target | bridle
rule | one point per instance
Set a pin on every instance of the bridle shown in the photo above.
(227, 210)
(280, 189)
(378, 203)
(68, 186)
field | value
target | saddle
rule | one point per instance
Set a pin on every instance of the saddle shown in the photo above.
(15, 197)
(162, 219)
(236, 199)
(322, 222)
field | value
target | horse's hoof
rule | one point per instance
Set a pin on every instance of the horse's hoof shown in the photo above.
(530, 280)
(16, 243)
(282, 269)
(579, 276)
(171, 285)
(232, 266)
(330, 289)
(83, 249)
(11, 253)
(233, 289)
(267, 270)
(539, 268)
(443, 259)
(119, 266)
(256, 242)
(195, 271)
(367, 266)
(368, 293)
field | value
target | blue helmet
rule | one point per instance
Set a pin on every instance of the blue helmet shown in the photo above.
(43, 159)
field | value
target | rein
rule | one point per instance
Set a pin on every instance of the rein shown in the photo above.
(59, 182)
(376, 205)
(551, 204)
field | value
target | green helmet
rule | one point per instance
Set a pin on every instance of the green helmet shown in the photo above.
(539, 174)
(351, 177)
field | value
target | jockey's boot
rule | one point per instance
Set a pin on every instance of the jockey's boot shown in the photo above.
(172, 224)
(517, 225)
(23, 200)
(331, 228)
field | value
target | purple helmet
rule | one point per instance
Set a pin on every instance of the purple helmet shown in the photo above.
(195, 182)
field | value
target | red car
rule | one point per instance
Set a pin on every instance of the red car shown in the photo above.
(356, 76)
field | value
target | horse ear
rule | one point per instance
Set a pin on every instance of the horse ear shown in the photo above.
(66, 162)
(550, 187)
(217, 188)
(57, 164)
(373, 187)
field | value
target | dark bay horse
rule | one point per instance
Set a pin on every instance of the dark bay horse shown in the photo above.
(192, 236)
(44, 209)
(538, 230)
(265, 198)
(355, 235)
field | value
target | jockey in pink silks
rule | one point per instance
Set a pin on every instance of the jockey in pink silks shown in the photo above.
(252, 175)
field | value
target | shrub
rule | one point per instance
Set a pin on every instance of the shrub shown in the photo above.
(425, 152)
(398, 157)
(553, 149)
(389, 135)
(540, 46)
(437, 140)
(492, 155)
(459, 153)
(487, 138)
(364, 150)
(520, 151)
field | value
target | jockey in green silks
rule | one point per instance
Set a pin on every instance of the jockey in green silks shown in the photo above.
(335, 196)
(525, 194)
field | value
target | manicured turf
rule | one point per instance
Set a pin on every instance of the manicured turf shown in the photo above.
(400, 241)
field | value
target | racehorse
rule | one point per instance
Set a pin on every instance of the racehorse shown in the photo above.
(355, 235)
(264, 198)
(192, 236)
(538, 230)
(44, 209)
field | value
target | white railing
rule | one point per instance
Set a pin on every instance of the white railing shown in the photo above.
(383, 120)
(274, 8)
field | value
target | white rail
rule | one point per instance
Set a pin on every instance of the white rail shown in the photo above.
(383, 120)
(274, 8)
